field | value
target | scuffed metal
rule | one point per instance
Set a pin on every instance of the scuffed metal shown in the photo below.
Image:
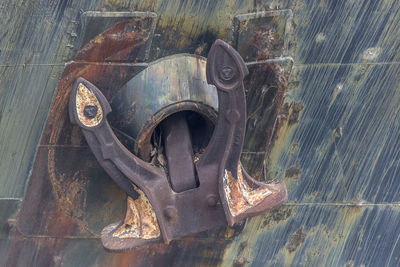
(240, 195)
(140, 220)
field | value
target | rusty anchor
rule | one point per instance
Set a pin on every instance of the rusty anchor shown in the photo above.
(195, 195)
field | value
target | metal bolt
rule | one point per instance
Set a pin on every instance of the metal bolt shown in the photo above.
(170, 213)
(212, 200)
(90, 111)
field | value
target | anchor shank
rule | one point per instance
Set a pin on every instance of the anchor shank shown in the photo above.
(179, 153)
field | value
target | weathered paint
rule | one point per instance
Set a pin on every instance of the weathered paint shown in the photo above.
(343, 142)
(84, 98)
(144, 226)
(320, 235)
(240, 196)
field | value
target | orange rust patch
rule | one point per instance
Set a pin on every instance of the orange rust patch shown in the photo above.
(69, 193)
(140, 220)
(85, 97)
(240, 196)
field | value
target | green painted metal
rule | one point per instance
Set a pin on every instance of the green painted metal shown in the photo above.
(337, 146)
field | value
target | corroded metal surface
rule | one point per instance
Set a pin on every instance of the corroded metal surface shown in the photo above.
(88, 107)
(262, 35)
(239, 194)
(134, 226)
(339, 158)
(67, 199)
(188, 91)
(132, 36)
(201, 207)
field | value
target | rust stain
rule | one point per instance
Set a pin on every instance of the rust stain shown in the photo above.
(229, 233)
(92, 72)
(289, 114)
(69, 191)
(296, 108)
(140, 220)
(199, 50)
(70, 194)
(265, 41)
(240, 195)
(240, 262)
(293, 172)
(276, 216)
(296, 240)
(286, 120)
(115, 44)
(280, 122)
(84, 98)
